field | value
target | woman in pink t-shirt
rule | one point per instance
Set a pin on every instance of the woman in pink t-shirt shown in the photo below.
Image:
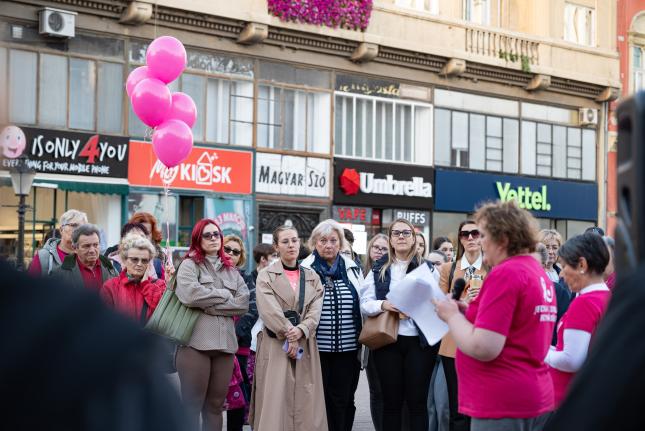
(505, 335)
(584, 259)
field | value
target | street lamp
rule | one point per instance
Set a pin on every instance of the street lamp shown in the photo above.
(22, 176)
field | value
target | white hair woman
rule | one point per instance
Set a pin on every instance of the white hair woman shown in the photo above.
(133, 292)
(340, 321)
(405, 367)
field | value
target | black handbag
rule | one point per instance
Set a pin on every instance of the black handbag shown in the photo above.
(291, 315)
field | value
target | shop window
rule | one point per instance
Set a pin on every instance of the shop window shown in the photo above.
(163, 208)
(191, 210)
(22, 86)
(431, 6)
(579, 24)
(292, 119)
(477, 11)
(110, 106)
(281, 73)
(381, 129)
(476, 141)
(53, 90)
(558, 151)
(43, 81)
(638, 69)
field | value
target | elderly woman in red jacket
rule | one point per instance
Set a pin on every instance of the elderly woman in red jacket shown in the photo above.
(132, 292)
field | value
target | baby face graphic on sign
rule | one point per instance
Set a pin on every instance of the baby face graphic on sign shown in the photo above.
(13, 142)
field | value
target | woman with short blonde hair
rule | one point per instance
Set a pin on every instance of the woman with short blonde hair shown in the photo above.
(340, 321)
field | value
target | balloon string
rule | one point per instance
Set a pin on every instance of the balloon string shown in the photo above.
(166, 189)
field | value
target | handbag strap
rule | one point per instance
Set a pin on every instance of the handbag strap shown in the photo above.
(301, 297)
(144, 313)
(452, 275)
(173, 278)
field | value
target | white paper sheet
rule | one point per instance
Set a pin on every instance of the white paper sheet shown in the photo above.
(413, 296)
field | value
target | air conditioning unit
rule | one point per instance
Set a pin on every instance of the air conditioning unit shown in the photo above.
(57, 23)
(588, 117)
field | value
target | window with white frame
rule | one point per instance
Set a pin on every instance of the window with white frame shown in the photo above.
(52, 90)
(476, 141)
(638, 68)
(477, 11)
(381, 129)
(579, 24)
(431, 6)
(552, 150)
(222, 89)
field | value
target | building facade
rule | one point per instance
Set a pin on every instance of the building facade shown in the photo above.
(510, 89)
(631, 47)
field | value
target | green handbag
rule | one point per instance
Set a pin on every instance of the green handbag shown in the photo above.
(171, 318)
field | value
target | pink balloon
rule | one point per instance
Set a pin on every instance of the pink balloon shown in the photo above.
(172, 142)
(183, 108)
(166, 58)
(135, 77)
(151, 101)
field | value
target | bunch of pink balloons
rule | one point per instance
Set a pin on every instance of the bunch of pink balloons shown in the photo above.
(172, 115)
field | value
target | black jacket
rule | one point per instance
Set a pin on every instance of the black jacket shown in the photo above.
(244, 325)
(70, 363)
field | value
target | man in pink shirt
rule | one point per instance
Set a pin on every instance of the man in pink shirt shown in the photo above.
(55, 250)
(506, 332)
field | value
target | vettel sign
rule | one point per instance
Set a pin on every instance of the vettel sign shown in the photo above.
(368, 183)
(210, 169)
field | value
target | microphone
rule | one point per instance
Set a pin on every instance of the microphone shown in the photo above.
(458, 289)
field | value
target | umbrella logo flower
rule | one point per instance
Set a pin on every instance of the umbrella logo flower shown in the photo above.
(350, 181)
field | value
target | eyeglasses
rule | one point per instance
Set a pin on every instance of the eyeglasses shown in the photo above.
(397, 233)
(232, 251)
(379, 249)
(72, 225)
(139, 260)
(347, 253)
(465, 234)
(211, 235)
(325, 241)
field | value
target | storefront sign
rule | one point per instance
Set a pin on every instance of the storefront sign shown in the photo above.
(359, 215)
(462, 191)
(383, 185)
(211, 169)
(421, 218)
(291, 175)
(367, 86)
(64, 152)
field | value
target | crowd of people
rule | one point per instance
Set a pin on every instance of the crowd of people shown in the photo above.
(278, 348)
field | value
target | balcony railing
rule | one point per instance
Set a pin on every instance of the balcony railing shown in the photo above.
(511, 48)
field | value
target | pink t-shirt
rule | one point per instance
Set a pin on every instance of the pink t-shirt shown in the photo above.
(294, 278)
(583, 314)
(517, 300)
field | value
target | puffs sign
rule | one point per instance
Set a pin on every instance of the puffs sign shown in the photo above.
(211, 169)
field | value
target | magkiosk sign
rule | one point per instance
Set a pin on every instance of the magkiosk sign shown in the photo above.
(383, 185)
(462, 191)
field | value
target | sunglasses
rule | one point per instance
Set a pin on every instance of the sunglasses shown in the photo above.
(138, 260)
(211, 235)
(234, 252)
(467, 233)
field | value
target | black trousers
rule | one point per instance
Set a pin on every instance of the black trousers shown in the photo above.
(376, 397)
(340, 374)
(458, 422)
(404, 372)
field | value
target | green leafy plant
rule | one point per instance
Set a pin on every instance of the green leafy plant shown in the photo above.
(526, 63)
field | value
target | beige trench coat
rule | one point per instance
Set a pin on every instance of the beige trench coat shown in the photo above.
(287, 394)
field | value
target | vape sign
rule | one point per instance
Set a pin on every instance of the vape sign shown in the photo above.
(64, 152)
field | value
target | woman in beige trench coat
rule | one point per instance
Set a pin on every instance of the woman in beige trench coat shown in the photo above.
(287, 393)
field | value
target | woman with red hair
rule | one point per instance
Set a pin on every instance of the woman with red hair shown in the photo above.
(208, 281)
